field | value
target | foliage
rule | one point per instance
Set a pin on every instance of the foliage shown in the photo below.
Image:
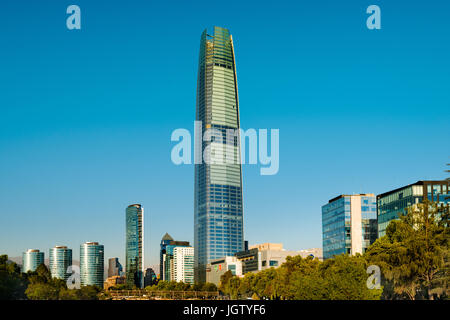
(341, 278)
(12, 282)
(164, 285)
(413, 255)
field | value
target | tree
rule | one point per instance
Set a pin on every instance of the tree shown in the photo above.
(224, 279)
(12, 283)
(210, 287)
(345, 278)
(412, 253)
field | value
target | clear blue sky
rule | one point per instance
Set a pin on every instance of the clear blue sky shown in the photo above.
(86, 116)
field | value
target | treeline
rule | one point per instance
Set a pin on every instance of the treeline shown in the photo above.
(413, 257)
(39, 285)
(163, 285)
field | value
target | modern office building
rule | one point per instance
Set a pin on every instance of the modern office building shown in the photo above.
(217, 267)
(165, 241)
(114, 267)
(169, 259)
(392, 204)
(218, 208)
(134, 246)
(31, 259)
(349, 224)
(60, 258)
(150, 277)
(269, 255)
(256, 258)
(183, 264)
(92, 264)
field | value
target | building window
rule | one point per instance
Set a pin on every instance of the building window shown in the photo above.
(273, 263)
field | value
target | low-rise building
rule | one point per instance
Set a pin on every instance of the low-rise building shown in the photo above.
(113, 281)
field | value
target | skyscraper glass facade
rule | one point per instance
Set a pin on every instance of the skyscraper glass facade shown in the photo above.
(31, 259)
(114, 267)
(349, 224)
(169, 259)
(165, 241)
(218, 208)
(134, 245)
(392, 204)
(92, 264)
(60, 258)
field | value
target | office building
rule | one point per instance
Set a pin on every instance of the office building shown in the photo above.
(114, 267)
(349, 224)
(134, 247)
(183, 264)
(392, 204)
(92, 264)
(60, 258)
(165, 241)
(31, 259)
(218, 208)
(217, 267)
(169, 259)
(150, 277)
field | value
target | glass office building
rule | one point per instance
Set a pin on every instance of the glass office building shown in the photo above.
(92, 264)
(165, 241)
(218, 208)
(31, 259)
(134, 246)
(60, 258)
(169, 259)
(114, 267)
(392, 204)
(349, 224)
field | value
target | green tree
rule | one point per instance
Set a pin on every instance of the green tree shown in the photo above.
(210, 287)
(345, 278)
(413, 251)
(12, 283)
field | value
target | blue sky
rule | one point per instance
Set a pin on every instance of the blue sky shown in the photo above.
(86, 116)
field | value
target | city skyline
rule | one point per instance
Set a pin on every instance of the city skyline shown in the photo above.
(85, 104)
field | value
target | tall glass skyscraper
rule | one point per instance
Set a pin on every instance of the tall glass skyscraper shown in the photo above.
(134, 255)
(60, 259)
(349, 224)
(92, 264)
(31, 259)
(218, 213)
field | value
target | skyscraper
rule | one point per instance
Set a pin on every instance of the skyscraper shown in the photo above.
(183, 265)
(218, 213)
(349, 224)
(92, 264)
(134, 255)
(114, 267)
(169, 259)
(165, 241)
(60, 258)
(31, 259)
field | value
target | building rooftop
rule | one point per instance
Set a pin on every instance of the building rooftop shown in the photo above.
(418, 183)
(167, 237)
(349, 195)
